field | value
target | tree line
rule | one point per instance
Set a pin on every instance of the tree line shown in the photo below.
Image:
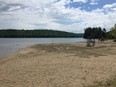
(112, 32)
(95, 33)
(12, 33)
(99, 33)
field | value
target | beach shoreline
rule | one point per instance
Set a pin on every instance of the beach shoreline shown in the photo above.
(59, 65)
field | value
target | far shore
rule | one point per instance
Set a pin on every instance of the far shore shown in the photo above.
(59, 65)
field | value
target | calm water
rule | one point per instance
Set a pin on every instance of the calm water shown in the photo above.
(11, 45)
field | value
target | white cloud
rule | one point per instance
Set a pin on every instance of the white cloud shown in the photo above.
(48, 14)
(14, 8)
(107, 6)
(84, 1)
(94, 2)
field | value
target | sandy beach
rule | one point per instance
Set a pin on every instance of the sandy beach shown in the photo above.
(59, 65)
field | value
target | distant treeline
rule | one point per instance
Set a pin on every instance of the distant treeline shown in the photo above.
(12, 33)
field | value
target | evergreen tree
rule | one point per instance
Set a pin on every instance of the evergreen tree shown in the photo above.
(94, 33)
(112, 32)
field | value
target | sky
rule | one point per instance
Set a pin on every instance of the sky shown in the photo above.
(64, 15)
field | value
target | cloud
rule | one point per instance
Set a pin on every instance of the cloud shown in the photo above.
(11, 7)
(53, 14)
(94, 2)
(108, 6)
(84, 1)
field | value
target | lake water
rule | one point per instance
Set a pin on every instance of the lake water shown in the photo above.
(11, 45)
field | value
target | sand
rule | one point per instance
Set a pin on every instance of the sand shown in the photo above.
(59, 65)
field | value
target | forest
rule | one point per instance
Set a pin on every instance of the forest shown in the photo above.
(95, 33)
(13, 33)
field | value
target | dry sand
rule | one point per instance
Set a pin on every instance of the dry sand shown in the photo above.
(59, 65)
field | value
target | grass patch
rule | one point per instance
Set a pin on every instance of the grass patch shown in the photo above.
(110, 83)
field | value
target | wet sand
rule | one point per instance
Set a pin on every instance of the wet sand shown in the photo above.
(59, 65)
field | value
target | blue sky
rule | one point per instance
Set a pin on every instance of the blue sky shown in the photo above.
(64, 15)
(89, 6)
